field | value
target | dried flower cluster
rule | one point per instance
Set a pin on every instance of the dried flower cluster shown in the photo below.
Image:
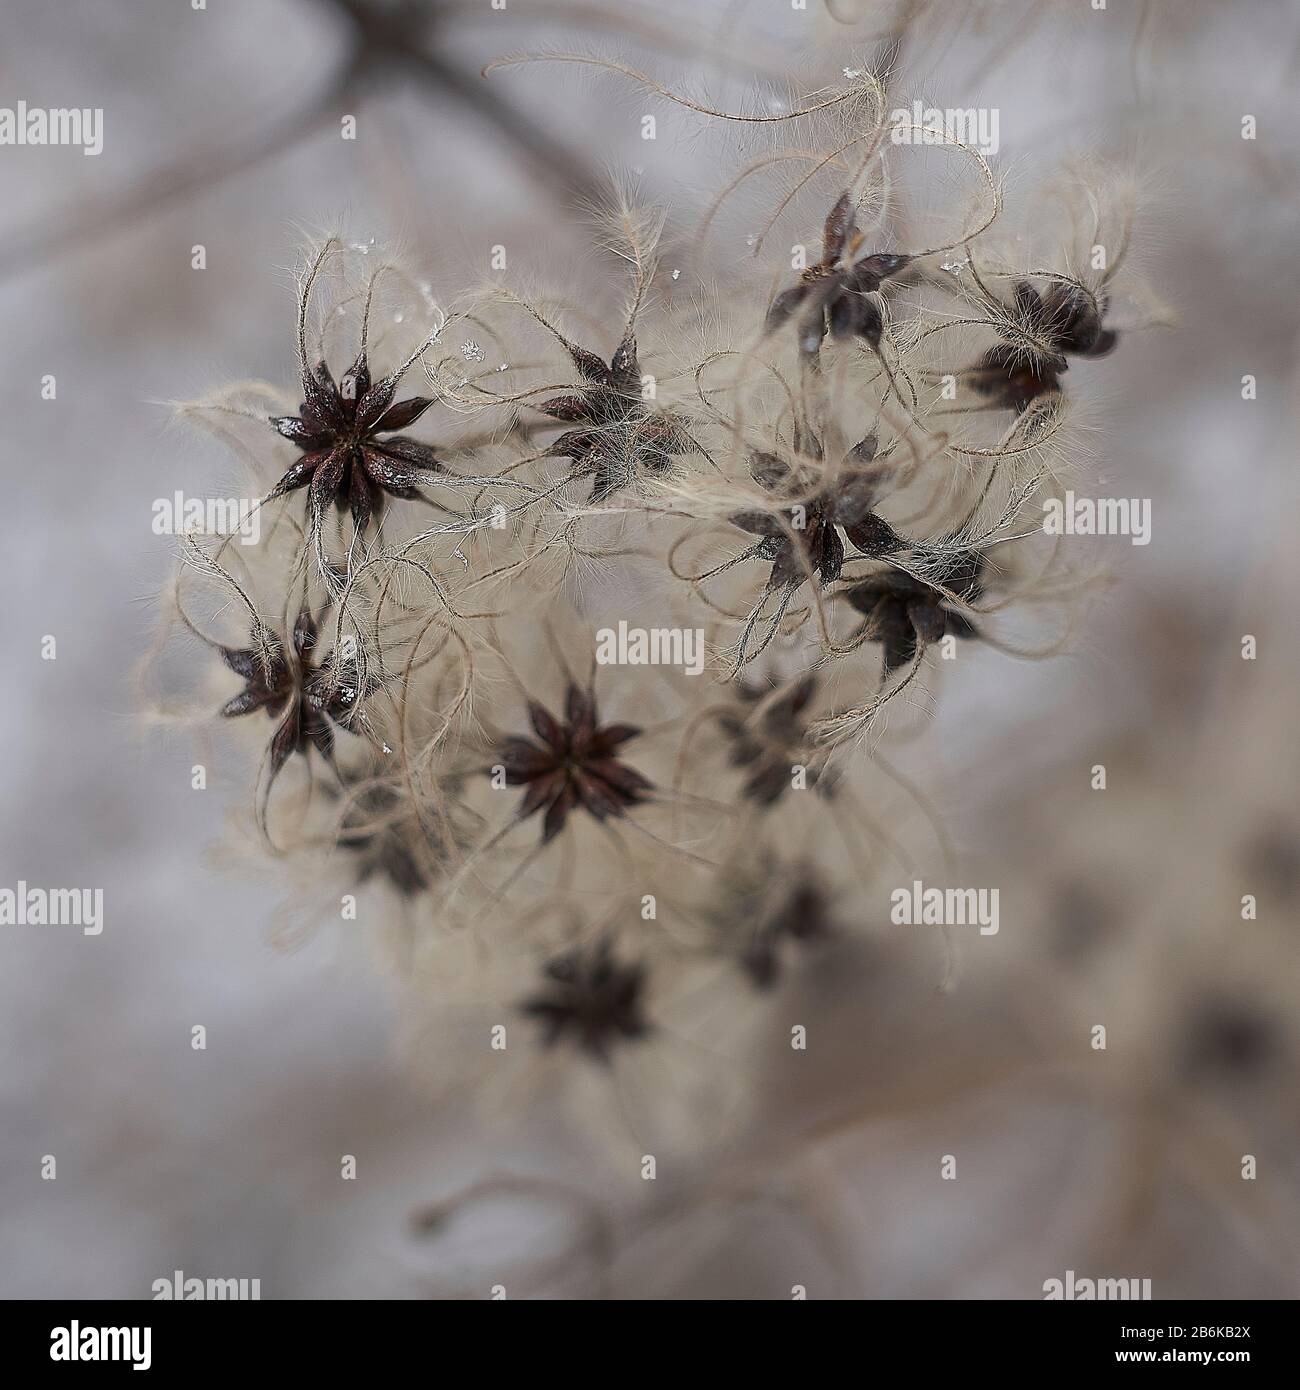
(826, 466)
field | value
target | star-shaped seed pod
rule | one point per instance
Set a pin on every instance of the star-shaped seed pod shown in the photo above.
(344, 459)
(620, 438)
(810, 540)
(832, 294)
(382, 834)
(312, 697)
(772, 746)
(803, 916)
(572, 764)
(1064, 321)
(762, 905)
(590, 999)
(905, 614)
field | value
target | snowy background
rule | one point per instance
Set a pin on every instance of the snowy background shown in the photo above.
(225, 1162)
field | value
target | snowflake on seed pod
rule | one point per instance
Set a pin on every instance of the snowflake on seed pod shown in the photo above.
(810, 539)
(573, 765)
(620, 438)
(313, 697)
(905, 614)
(1064, 321)
(344, 460)
(590, 998)
(832, 295)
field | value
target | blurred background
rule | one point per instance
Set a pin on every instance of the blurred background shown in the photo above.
(222, 129)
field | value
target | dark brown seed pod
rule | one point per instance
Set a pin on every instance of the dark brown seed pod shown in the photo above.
(905, 614)
(313, 697)
(816, 543)
(621, 439)
(1046, 330)
(591, 1000)
(572, 765)
(832, 294)
(769, 748)
(346, 459)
